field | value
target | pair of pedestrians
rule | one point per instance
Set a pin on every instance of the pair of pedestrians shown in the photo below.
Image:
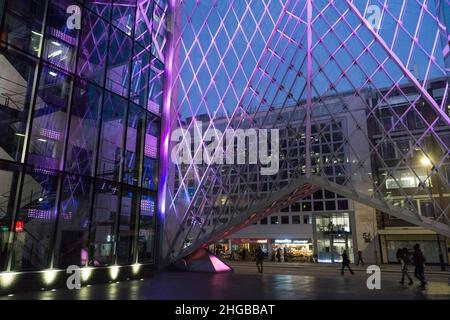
(418, 260)
(403, 257)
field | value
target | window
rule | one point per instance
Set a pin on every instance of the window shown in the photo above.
(130, 207)
(146, 234)
(106, 207)
(83, 129)
(10, 180)
(284, 219)
(388, 150)
(119, 57)
(17, 96)
(111, 138)
(94, 41)
(306, 219)
(274, 220)
(134, 145)
(330, 205)
(306, 206)
(36, 218)
(407, 179)
(296, 219)
(427, 208)
(342, 204)
(49, 119)
(263, 221)
(73, 222)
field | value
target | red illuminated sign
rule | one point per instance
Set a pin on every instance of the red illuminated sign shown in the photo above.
(19, 226)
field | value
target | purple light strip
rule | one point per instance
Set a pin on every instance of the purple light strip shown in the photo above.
(166, 113)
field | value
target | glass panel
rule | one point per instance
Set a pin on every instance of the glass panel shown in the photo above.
(92, 54)
(159, 33)
(61, 42)
(23, 25)
(155, 98)
(123, 15)
(100, 7)
(128, 225)
(16, 84)
(146, 234)
(83, 129)
(119, 58)
(296, 219)
(134, 145)
(150, 175)
(144, 16)
(102, 239)
(111, 139)
(34, 225)
(73, 226)
(9, 176)
(140, 76)
(49, 119)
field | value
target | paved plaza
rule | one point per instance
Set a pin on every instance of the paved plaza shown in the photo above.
(279, 281)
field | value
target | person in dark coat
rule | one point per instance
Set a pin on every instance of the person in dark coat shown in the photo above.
(419, 263)
(345, 262)
(360, 259)
(403, 258)
(259, 255)
(279, 255)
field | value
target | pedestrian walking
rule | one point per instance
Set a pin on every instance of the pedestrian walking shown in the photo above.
(345, 262)
(360, 259)
(285, 254)
(279, 255)
(419, 264)
(403, 257)
(259, 255)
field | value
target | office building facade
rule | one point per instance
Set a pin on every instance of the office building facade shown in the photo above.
(81, 91)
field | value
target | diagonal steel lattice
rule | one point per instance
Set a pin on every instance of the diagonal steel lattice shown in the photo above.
(341, 89)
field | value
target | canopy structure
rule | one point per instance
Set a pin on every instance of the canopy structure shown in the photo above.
(358, 88)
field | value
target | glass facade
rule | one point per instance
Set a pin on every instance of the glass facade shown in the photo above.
(334, 235)
(80, 110)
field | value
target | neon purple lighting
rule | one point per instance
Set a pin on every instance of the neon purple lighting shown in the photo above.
(44, 170)
(151, 147)
(167, 106)
(51, 134)
(147, 206)
(39, 214)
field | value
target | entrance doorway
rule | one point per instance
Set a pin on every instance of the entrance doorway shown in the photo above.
(334, 235)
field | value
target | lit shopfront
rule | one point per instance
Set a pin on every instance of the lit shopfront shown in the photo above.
(297, 250)
(334, 235)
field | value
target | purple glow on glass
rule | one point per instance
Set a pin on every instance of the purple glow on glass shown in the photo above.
(62, 36)
(151, 147)
(44, 170)
(39, 214)
(148, 206)
(166, 113)
(50, 134)
(84, 256)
